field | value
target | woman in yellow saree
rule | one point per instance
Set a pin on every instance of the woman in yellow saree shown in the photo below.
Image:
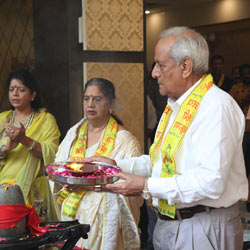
(29, 139)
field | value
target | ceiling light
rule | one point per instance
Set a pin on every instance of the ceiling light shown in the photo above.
(147, 12)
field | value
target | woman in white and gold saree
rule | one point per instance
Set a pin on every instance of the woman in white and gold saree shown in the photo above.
(113, 218)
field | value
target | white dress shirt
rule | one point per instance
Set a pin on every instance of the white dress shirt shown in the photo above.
(209, 163)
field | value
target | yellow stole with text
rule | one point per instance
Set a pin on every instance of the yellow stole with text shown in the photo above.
(175, 135)
(78, 154)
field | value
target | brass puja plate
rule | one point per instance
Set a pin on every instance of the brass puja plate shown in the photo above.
(80, 173)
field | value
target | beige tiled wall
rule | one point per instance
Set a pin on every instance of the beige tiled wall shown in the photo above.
(115, 25)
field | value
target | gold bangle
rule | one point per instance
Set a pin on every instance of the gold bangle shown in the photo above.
(31, 146)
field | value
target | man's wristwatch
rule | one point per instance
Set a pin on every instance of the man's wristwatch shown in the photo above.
(145, 193)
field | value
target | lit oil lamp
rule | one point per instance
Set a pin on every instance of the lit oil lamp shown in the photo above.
(75, 166)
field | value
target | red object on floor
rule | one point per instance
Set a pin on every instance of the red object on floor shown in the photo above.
(60, 245)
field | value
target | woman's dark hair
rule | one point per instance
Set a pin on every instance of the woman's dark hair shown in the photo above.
(27, 78)
(107, 88)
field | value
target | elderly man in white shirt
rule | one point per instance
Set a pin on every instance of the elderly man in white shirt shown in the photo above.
(195, 172)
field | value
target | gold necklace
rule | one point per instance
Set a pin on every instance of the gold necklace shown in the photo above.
(28, 120)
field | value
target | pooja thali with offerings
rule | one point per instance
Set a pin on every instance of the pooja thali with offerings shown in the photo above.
(81, 173)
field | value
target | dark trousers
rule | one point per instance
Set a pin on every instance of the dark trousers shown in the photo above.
(246, 151)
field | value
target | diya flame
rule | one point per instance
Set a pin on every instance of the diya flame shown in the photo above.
(75, 166)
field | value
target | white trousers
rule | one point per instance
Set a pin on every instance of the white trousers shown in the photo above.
(218, 229)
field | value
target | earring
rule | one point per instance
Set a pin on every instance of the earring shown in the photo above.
(110, 111)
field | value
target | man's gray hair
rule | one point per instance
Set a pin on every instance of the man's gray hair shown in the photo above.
(188, 43)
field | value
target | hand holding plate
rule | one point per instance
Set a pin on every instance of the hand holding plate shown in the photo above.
(131, 186)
